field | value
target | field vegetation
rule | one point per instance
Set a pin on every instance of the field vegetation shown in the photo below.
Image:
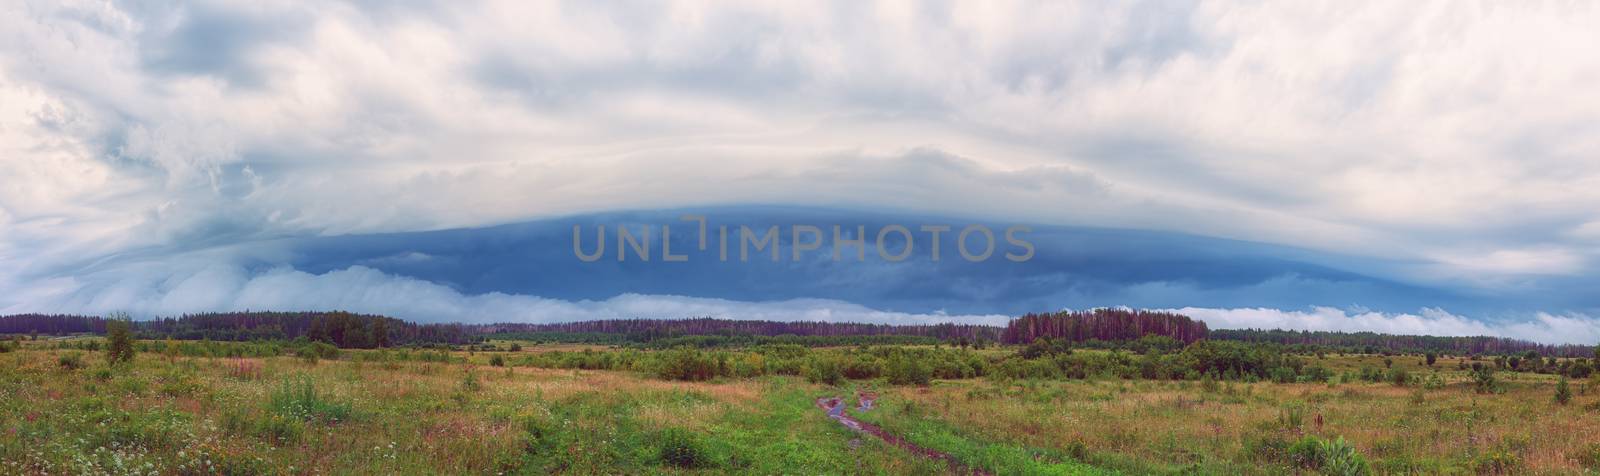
(1152, 405)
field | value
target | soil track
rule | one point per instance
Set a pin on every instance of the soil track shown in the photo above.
(836, 409)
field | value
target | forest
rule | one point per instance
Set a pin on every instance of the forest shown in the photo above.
(1097, 328)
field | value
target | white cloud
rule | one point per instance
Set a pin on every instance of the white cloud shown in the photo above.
(1456, 140)
(360, 289)
(1542, 327)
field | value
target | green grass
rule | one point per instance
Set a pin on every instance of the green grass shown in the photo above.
(387, 412)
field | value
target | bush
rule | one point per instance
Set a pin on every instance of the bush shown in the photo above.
(1483, 380)
(70, 361)
(1399, 377)
(497, 361)
(905, 370)
(1336, 457)
(119, 340)
(682, 449)
(687, 363)
(824, 371)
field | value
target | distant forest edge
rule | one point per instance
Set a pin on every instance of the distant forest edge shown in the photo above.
(1103, 328)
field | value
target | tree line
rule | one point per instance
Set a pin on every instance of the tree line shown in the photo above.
(1374, 343)
(645, 330)
(1098, 328)
(343, 329)
(1103, 325)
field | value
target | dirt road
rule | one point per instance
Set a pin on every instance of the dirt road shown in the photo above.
(836, 409)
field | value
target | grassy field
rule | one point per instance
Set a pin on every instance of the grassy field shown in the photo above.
(355, 415)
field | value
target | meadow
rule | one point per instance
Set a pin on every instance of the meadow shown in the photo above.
(191, 408)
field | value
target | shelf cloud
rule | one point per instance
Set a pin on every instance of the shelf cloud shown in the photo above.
(1438, 145)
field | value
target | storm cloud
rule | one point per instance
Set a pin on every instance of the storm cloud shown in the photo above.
(1440, 146)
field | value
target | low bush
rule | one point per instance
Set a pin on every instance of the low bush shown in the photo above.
(824, 371)
(1335, 457)
(680, 448)
(687, 363)
(70, 361)
(905, 370)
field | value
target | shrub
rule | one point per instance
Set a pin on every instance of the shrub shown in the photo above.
(1399, 377)
(70, 361)
(1336, 457)
(682, 449)
(686, 363)
(119, 340)
(824, 371)
(1340, 458)
(905, 370)
(1563, 391)
(497, 361)
(862, 367)
(1483, 380)
(298, 398)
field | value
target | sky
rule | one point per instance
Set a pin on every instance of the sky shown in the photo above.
(1417, 167)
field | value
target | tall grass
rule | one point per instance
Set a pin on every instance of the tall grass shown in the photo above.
(298, 397)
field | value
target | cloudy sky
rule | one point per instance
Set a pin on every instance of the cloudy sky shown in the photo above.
(1420, 167)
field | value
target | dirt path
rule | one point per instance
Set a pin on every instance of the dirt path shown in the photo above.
(836, 409)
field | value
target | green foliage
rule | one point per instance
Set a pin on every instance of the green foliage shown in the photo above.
(1399, 377)
(119, 340)
(1496, 461)
(1563, 391)
(70, 361)
(1333, 457)
(497, 361)
(1292, 415)
(680, 448)
(1484, 381)
(903, 369)
(313, 351)
(823, 370)
(689, 364)
(298, 398)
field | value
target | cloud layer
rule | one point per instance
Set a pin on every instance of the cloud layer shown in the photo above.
(1454, 142)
